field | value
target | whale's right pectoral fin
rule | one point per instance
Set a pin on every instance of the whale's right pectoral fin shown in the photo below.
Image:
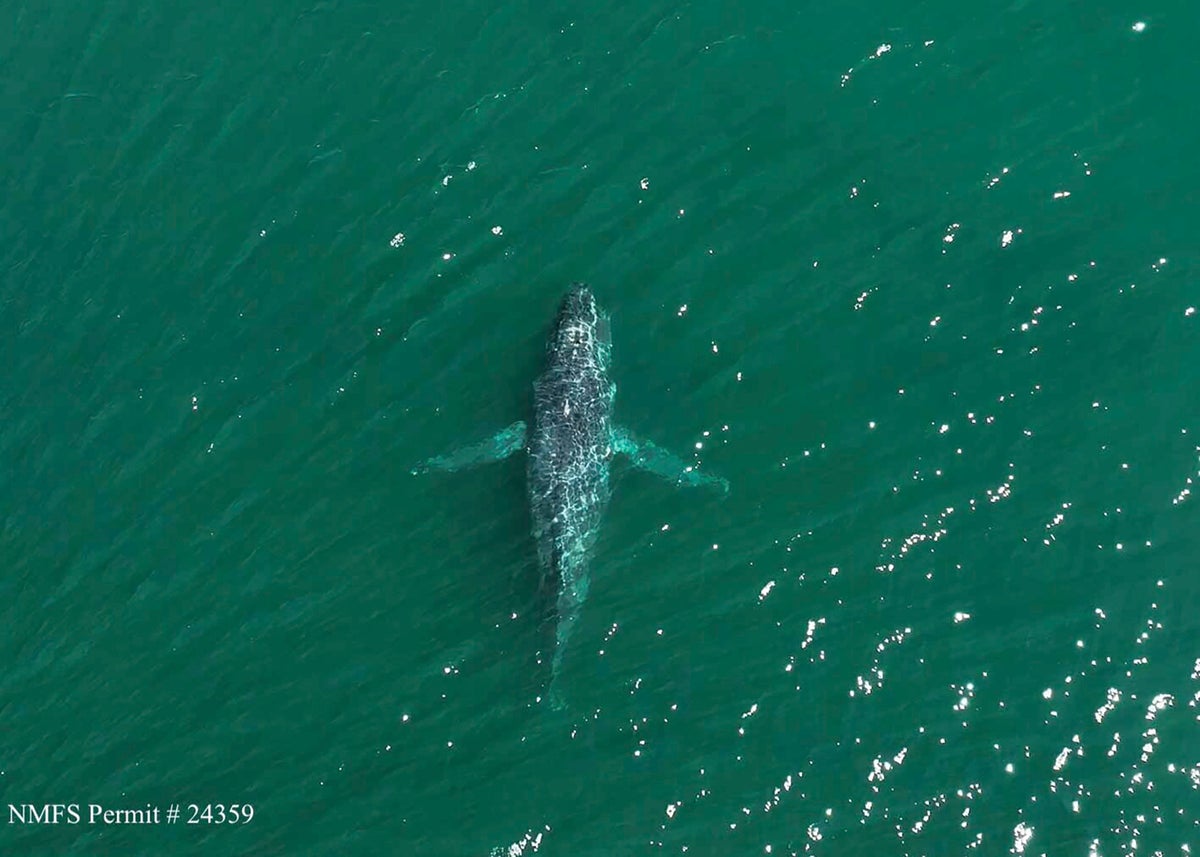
(645, 455)
(496, 448)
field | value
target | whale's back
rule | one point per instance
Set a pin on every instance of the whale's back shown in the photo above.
(569, 453)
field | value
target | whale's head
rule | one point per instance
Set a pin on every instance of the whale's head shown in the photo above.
(581, 329)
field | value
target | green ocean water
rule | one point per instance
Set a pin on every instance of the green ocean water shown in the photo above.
(919, 279)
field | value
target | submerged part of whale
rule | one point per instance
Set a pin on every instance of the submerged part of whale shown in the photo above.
(570, 448)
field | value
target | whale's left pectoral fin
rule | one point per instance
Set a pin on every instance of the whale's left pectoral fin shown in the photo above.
(496, 448)
(645, 455)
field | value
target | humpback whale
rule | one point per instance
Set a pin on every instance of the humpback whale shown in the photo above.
(570, 447)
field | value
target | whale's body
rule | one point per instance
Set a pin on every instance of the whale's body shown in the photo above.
(571, 446)
(570, 449)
